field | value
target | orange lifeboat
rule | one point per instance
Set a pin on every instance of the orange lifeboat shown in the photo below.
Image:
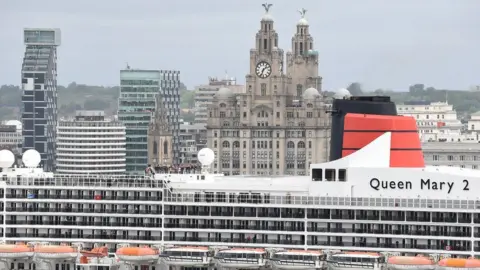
(96, 252)
(15, 251)
(138, 254)
(459, 263)
(55, 252)
(401, 262)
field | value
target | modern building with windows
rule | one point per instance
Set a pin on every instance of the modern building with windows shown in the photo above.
(91, 144)
(39, 85)
(136, 103)
(170, 91)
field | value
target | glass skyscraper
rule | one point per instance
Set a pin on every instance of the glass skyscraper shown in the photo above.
(39, 97)
(138, 89)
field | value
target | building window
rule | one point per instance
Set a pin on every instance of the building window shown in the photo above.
(299, 90)
(222, 114)
(263, 88)
(165, 148)
(155, 148)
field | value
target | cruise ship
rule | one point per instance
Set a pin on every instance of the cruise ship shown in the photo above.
(373, 205)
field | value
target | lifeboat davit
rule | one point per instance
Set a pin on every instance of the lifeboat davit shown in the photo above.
(18, 251)
(138, 254)
(407, 262)
(52, 252)
(459, 263)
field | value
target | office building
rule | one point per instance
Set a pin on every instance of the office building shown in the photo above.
(170, 91)
(39, 97)
(91, 144)
(193, 137)
(138, 90)
(204, 95)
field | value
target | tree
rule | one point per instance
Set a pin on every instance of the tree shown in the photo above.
(355, 89)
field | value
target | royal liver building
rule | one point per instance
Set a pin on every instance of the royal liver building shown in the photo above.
(280, 125)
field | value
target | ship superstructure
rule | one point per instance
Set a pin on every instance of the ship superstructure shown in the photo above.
(377, 196)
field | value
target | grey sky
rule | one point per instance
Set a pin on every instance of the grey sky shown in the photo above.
(380, 43)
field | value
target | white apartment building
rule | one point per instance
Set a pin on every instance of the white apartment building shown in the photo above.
(437, 122)
(11, 136)
(91, 144)
(453, 154)
(474, 122)
(193, 137)
(204, 95)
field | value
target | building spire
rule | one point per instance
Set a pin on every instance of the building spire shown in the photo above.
(160, 122)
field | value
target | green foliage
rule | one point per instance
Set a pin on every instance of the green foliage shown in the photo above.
(80, 96)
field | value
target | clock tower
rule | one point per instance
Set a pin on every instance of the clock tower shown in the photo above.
(266, 76)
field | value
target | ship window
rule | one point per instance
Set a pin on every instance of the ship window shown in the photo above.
(342, 175)
(221, 197)
(317, 174)
(330, 174)
(209, 196)
(256, 198)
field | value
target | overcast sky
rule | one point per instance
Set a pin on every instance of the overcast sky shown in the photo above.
(388, 44)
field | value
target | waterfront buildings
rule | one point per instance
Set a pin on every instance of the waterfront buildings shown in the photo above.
(138, 90)
(11, 137)
(170, 91)
(193, 137)
(280, 125)
(436, 121)
(452, 154)
(204, 95)
(136, 104)
(90, 144)
(39, 97)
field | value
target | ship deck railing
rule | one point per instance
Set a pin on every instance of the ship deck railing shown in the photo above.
(113, 181)
(351, 264)
(292, 262)
(183, 258)
(236, 260)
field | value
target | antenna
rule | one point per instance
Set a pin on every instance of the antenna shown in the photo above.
(128, 66)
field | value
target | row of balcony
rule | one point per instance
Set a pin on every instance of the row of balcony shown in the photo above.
(244, 227)
(84, 223)
(104, 236)
(85, 197)
(10, 210)
(240, 213)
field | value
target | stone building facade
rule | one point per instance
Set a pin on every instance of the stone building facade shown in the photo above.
(280, 125)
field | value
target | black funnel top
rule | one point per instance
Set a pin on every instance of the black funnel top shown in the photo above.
(378, 105)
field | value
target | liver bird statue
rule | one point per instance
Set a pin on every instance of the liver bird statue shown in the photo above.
(302, 12)
(267, 7)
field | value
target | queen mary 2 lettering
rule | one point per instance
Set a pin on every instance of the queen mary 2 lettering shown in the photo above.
(421, 184)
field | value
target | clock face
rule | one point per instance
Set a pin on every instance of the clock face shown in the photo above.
(263, 70)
